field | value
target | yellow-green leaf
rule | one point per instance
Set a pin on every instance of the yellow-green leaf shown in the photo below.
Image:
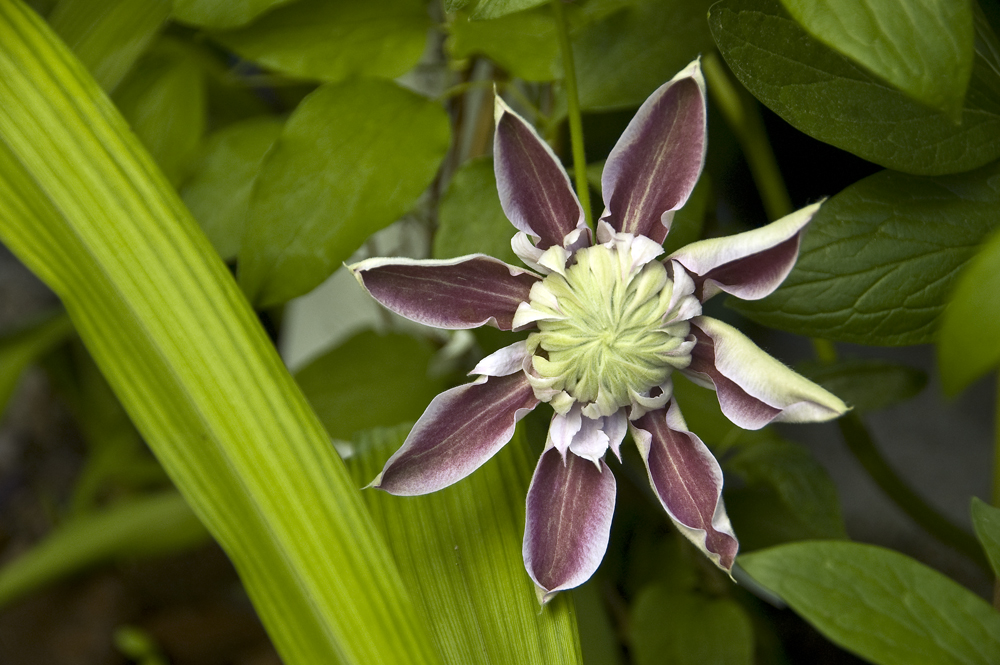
(84, 206)
(459, 551)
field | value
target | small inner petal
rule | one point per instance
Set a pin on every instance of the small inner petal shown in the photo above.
(610, 326)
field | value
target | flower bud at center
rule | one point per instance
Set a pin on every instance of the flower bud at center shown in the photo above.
(609, 336)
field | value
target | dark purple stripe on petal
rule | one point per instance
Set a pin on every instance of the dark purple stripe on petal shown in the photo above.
(657, 161)
(460, 430)
(688, 481)
(456, 294)
(749, 265)
(751, 277)
(568, 520)
(534, 189)
(737, 404)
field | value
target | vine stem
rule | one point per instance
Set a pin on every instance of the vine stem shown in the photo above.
(743, 117)
(573, 109)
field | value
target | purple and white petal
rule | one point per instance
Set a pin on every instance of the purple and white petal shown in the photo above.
(534, 188)
(460, 430)
(567, 522)
(615, 426)
(657, 161)
(591, 442)
(504, 361)
(747, 265)
(562, 428)
(688, 481)
(466, 292)
(753, 387)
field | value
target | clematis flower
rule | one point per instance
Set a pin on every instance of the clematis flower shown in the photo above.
(611, 323)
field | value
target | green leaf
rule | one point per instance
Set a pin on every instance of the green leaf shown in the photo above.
(84, 206)
(108, 35)
(689, 628)
(879, 604)
(867, 385)
(352, 158)
(598, 642)
(823, 94)
(459, 551)
(790, 474)
(21, 348)
(163, 99)
(624, 57)
(335, 39)
(970, 326)
(370, 369)
(922, 47)
(470, 218)
(524, 44)
(986, 521)
(149, 526)
(218, 191)
(879, 260)
(498, 8)
(221, 13)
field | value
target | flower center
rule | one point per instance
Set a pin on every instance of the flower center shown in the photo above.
(608, 336)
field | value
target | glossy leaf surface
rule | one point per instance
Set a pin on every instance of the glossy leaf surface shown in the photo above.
(388, 370)
(351, 159)
(335, 39)
(879, 260)
(470, 219)
(823, 94)
(879, 604)
(922, 47)
(218, 191)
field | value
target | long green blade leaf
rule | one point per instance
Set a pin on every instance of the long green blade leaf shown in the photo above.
(84, 206)
(459, 551)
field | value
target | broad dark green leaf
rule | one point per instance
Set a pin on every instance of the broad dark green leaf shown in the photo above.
(352, 158)
(470, 219)
(368, 381)
(163, 99)
(922, 47)
(986, 521)
(85, 208)
(524, 44)
(459, 551)
(598, 642)
(20, 348)
(879, 260)
(625, 56)
(221, 13)
(879, 604)
(867, 385)
(689, 628)
(149, 526)
(969, 340)
(825, 95)
(790, 473)
(335, 39)
(497, 8)
(218, 191)
(108, 35)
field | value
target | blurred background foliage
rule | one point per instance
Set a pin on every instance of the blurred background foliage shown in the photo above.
(302, 134)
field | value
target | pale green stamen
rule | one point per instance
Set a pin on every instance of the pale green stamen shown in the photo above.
(607, 338)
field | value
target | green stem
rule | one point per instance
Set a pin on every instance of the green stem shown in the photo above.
(743, 117)
(573, 108)
(862, 445)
